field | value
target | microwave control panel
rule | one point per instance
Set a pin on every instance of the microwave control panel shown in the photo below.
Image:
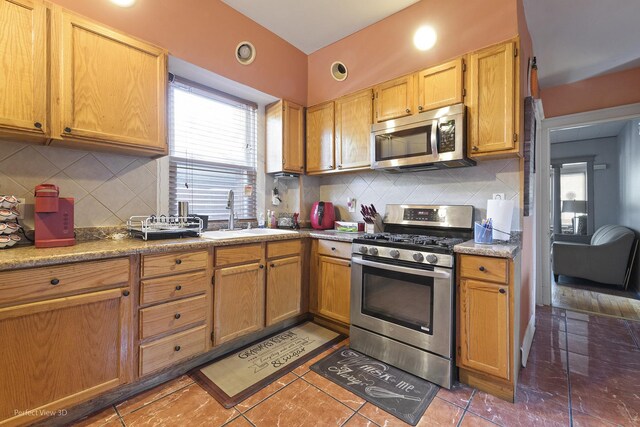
(447, 142)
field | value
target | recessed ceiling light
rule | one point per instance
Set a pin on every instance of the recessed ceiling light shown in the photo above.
(123, 3)
(425, 37)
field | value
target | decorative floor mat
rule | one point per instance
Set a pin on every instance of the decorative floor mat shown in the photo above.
(233, 378)
(397, 392)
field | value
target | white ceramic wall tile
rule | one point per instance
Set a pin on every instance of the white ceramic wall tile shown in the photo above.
(473, 186)
(101, 198)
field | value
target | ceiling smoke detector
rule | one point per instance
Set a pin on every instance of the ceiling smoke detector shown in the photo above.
(245, 53)
(339, 71)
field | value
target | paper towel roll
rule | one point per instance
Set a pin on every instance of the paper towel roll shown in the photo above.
(501, 213)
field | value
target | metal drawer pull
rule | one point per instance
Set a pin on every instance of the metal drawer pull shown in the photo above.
(55, 281)
(125, 293)
(177, 315)
(178, 261)
(502, 291)
(481, 268)
(272, 265)
(179, 287)
(176, 348)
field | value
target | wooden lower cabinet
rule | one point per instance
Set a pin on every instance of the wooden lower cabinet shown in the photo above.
(334, 288)
(284, 290)
(63, 351)
(484, 327)
(238, 307)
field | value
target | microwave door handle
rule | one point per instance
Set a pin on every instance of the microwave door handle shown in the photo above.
(399, 269)
(435, 135)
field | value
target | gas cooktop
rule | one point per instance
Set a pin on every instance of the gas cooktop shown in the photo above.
(414, 240)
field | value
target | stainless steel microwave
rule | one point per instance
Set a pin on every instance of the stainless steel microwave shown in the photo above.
(434, 139)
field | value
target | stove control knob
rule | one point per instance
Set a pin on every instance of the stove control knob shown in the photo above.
(363, 249)
(373, 251)
(418, 257)
(394, 253)
(432, 259)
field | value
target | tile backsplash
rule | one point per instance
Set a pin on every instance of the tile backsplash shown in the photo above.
(470, 185)
(107, 188)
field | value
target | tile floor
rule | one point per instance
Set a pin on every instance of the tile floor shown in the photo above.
(583, 370)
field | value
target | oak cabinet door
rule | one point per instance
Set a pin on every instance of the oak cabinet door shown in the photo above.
(238, 301)
(112, 87)
(440, 86)
(284, 291)
(59, 352)
(491, 100)
(334, 288)
(285, 137)
(484, 327)
(320, 138)
(353, 130)
(394, 99)
(23, 68)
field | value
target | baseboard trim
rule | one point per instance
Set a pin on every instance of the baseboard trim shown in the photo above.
(527, 340)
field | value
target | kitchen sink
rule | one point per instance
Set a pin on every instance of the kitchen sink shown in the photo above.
(238, 234)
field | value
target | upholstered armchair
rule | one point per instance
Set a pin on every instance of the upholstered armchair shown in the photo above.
(604, 260)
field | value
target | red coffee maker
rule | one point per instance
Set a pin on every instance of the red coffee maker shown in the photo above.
(53, 218)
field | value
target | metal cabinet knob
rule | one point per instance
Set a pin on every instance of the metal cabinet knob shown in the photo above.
(474, 148)
(261, 266)
(55, 281)
(339, 166)
(408, 110)
(502, 291)
(419, 107)
(67, 129)
(272, 265)
(179, 287)
(37, 125)
(126, 293)
(176, 348)
(481, 268)
(333, 249)
(177, 315)
(178, 261)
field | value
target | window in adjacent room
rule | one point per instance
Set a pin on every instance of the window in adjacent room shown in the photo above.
(212, 149)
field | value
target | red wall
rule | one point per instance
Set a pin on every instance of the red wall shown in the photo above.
(609, 90)
(385, 49)
(206, 33)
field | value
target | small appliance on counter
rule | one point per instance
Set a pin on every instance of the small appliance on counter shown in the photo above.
(323, 215)
(53, 218)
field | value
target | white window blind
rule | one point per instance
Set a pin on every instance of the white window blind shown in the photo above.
(212, 149)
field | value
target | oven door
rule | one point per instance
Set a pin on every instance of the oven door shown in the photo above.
(411, 305)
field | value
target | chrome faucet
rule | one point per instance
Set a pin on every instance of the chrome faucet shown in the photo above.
(230, 207)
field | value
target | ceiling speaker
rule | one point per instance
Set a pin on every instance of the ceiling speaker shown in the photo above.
(245, 53)
(339, 71)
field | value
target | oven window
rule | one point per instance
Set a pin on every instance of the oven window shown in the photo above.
(399, 298)
(405, 143)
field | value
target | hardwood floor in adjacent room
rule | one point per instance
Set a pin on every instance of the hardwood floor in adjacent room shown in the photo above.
(590, 298)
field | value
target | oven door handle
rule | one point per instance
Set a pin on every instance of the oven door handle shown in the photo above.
(400, 269)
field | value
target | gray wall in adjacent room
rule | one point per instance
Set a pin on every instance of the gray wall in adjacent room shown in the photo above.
(606, 181)
(629, 144)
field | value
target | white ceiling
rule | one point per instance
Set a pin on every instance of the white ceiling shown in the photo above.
(310, 25)
(578, 39)
(581, 133)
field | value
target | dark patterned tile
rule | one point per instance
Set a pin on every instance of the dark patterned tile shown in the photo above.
(107, 417)
(261, 395)
(619, 354)
(635, 330)
(550, 323)
(531, 408)
(600, 332)
(600, 399)
(439, 413)
(547, 310)
(460, 394)
(472, 420)
(151, 395)
(580, 419)
(334, 390)
(359, 421)
(550, 381)
(599, 372)
(593, 318)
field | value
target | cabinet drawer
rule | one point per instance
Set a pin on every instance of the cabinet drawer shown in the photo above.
(172, 315)
(485, 268)
(288, 247)
(173, 287)
(158, 265)
(46, 282)
(333, 248)
(240, 254)
(172, 349)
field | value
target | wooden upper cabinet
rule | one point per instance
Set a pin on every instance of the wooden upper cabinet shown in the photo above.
(395, 98)
(111, 87)
(23, 68)
(320, 138)
(285, 137)
(353, 130)
(491, 101)
(440, 86)
(63, 351)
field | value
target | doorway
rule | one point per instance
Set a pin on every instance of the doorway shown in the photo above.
(581, 193)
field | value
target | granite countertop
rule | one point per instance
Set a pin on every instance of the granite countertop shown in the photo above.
(29, 256)
(500, 250)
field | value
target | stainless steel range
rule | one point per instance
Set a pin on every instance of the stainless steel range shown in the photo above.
(402, 289)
